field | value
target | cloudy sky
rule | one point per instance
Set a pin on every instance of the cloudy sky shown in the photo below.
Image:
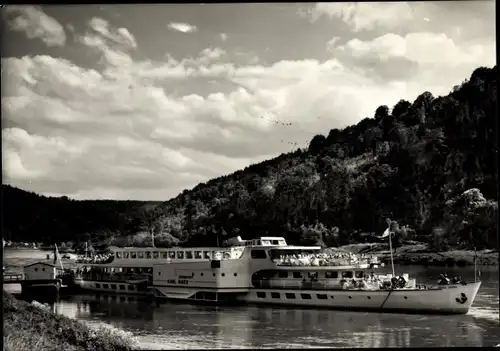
(143, 101)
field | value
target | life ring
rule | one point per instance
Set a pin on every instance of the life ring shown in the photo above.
(462, 299)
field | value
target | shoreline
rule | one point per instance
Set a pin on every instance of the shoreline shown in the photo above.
(33, 326)
(420, 255)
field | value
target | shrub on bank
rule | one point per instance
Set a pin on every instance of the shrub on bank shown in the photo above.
(30, 327)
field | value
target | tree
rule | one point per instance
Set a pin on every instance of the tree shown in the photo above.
(149, 222)
(317, 143)
(401, 108)
(381, 112)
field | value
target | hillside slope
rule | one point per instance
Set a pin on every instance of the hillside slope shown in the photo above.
(34, 218)
(430, 165)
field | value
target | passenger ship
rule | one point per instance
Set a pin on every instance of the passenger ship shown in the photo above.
(257, 271)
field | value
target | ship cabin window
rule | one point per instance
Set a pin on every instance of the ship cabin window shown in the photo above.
(131, 287)
(118, 255)
(258, 254)
(206, 254)
(156, 255)
(133, 255)
(265, 242)
(197, 255)
(275, 242)
(321, 296)
(113, 286)
(141, 255)
(331, 275)
(164, 254)
(105, 286)
(125, 255)
(171, 254)
(148, 255)
(261, 295)
(226, 255)
(189, 255)
(122, 287)
(290, 296)
(312, 275)
(97, 285)
(359, 274)
(282, 242)
(275, 295)
(347, 274)
(305, 296)
(283, 274)
(180, 254)
(297, 275)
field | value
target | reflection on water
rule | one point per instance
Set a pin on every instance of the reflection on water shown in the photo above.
(194, 326)
(172, 326)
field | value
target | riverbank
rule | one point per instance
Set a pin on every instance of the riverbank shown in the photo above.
(420, 254)
(34, 327)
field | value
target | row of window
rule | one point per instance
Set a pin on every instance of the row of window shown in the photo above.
(291, 296)
(113, 286)
(328, 275)
(36, 269)
(170, 254)
(201, 274)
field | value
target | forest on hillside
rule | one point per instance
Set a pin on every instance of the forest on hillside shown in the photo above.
(30, 217)
(429, 165)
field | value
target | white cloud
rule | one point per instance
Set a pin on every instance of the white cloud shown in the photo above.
(364, 16)
(223, 36)
(119, 36)
(118, 133)
(182, 27)
(35, 24)
(426, 51)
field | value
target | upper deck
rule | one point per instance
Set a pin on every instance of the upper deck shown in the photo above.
(273, 248)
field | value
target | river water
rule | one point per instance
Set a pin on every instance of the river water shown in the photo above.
(175, 326)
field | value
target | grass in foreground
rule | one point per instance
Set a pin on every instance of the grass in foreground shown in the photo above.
(28, 327)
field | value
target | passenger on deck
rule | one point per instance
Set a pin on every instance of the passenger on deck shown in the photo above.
(443, 279)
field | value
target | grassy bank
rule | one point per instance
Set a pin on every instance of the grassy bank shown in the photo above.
(420, 254)
(32, 327)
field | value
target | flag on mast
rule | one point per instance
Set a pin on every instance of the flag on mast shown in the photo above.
(57, 256)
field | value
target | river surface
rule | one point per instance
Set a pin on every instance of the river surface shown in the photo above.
(176, 326)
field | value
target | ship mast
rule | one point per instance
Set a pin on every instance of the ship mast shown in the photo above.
(388, 233)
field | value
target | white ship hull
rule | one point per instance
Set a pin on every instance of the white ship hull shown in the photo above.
(445, 300)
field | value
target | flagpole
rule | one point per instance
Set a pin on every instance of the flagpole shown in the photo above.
(57, 256)
(475, 274)
(390, 248)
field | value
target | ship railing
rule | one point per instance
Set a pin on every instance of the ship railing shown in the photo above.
(324, 263)
(113, 277)
(317, 284)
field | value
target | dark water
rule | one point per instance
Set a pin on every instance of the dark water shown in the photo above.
(172, 326)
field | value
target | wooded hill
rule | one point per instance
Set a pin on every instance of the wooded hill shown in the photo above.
(430, 165)
(30, 217)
